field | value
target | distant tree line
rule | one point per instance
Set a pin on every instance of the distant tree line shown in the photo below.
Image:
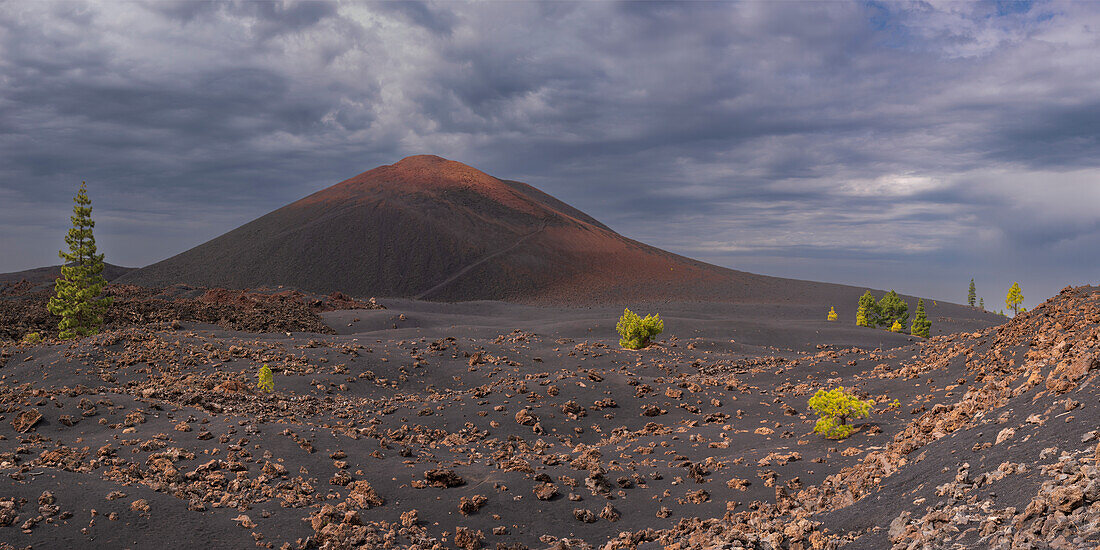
(892, 312)
(1014, 300)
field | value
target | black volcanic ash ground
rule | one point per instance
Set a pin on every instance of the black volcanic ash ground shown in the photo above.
(493, 425)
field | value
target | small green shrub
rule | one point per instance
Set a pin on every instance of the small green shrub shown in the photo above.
(832, 314)
(636, 332)
(267, 380)
(32, 338)
(835, 408)
(896, 327)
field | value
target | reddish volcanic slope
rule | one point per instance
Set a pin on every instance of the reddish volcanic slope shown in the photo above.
(436, 229)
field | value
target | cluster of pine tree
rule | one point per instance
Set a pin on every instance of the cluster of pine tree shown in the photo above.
(891, 312)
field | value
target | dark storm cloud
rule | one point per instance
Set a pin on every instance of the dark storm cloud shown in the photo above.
(1056, 136)
(928, 142)
(421, 13)
(267, 19)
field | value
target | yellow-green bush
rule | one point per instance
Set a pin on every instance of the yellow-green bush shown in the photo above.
(832, 314)
(636, 332)
(861, 318)
(896, 327)
(867, 315)
(835, 407)
(267, 380)
(32, 338)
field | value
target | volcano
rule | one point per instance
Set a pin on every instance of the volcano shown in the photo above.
(435, 229)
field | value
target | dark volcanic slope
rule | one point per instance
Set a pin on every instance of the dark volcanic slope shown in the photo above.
(435, 229)
(50, 273)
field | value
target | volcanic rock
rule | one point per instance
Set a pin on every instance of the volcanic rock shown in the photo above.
(25, 421)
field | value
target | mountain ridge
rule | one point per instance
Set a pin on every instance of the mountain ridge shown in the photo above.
(51, 272)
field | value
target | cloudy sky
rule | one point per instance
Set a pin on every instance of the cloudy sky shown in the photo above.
(886, 144)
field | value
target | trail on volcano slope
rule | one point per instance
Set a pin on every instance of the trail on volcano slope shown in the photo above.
(484, 259)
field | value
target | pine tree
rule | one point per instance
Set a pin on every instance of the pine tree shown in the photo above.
(981, 303)
(1014, 299)
(971, 294)
(892, 308)
(77, 293)
(896, 327)
(832, 314)
(921, 325)
(867, 314)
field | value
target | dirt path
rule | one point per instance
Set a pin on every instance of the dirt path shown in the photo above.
(484, 259)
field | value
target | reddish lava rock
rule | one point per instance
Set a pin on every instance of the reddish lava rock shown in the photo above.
(443, 478)
(26, 420)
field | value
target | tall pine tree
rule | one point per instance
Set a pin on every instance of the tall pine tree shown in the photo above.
(972, 294)
(1014, 299)
(981, 303)
(867, 314)
(921, 325)
(77, 294)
